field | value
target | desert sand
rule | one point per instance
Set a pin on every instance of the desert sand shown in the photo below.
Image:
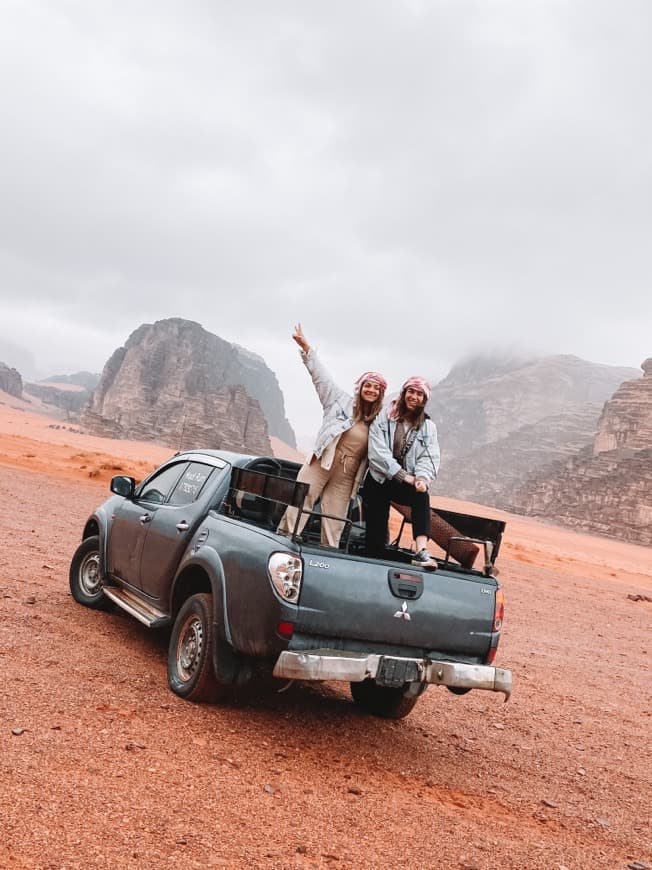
(102, 766)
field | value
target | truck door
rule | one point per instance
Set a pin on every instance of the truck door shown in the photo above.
(172, 526)
(131, 522)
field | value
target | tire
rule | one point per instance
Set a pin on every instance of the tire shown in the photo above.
(383, 701)
(191, 674)
(85, 576)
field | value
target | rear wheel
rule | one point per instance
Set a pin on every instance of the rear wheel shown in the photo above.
(85, 576)
(384, 701)
(191, 674)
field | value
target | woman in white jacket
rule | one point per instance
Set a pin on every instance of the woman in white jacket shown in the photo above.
(337, 463)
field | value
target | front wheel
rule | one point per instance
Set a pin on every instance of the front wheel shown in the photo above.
(384, 701)
(85, 576)
(190, 655)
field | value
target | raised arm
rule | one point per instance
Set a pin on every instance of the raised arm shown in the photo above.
(327, 390)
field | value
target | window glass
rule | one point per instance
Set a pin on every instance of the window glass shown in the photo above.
(191, 483)
(157, 487)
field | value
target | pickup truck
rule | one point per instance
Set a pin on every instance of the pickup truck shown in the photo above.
(195, 547)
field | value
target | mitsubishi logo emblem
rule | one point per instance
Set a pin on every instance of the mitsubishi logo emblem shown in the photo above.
(403, 612)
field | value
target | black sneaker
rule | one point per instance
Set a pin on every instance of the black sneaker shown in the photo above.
(423, 559)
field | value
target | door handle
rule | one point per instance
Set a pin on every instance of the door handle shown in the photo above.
(183, 526)
(146, 518)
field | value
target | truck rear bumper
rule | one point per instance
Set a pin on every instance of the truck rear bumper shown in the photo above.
(323, 664)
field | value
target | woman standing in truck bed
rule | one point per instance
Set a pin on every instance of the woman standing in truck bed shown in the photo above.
(336, 465)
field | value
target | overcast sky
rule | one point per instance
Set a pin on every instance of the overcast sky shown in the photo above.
(415, 181)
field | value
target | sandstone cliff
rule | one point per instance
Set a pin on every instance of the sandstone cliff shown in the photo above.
(500, 419)
(626, 420)
(177, 383)
(10, 381)
(607, 487)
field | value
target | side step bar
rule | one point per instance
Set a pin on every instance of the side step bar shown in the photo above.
(143, 611)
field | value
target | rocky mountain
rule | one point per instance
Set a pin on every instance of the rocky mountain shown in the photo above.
(626, 421)
(177, 383)
(11, 381)
(490, 473)
(242, 366)
(500, 419)
(607, 487)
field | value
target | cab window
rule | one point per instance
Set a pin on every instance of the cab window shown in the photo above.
(190, 484)
(157, 488)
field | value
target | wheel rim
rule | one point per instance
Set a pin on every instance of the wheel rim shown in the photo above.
(189, 648)
(89, 574)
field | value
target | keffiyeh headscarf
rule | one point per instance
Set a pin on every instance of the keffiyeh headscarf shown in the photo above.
(418, 383)
(374, 378)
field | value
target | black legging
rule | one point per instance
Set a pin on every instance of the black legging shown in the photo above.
(377, 497)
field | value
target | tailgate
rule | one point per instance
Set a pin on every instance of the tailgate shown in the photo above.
(354, 598)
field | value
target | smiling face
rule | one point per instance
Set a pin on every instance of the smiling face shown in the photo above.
(414, 399)
(369, 391)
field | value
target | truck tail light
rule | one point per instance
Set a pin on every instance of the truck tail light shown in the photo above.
(286, 571)
(499, 610)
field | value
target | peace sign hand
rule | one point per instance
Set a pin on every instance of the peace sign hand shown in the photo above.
(300, 338)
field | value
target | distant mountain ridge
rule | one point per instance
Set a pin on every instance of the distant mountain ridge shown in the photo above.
(500, 419)
(607, 487)
(87, 380)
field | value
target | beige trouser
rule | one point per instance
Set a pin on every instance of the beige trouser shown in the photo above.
(335, 486)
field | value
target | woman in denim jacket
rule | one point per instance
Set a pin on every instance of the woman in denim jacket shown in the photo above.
(339, 458)
(403, 462)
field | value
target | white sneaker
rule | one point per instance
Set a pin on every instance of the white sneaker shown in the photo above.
(423, 559)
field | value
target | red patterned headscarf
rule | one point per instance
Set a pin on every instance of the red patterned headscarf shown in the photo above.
(374, 378)
(418, 383)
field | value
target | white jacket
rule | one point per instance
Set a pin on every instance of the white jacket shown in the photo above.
(421, 460)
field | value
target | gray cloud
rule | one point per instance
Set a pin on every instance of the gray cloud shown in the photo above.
(414, 181)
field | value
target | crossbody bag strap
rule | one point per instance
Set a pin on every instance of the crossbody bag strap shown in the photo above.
(409, 441)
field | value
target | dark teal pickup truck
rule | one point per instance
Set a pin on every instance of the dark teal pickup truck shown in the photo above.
(194, 546)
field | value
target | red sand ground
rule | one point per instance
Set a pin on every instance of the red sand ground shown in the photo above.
(107, 768)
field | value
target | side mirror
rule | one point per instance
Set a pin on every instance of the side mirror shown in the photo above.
(122, 485)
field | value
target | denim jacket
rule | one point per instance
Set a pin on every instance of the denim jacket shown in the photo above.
(337, 405)
(421, 460)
